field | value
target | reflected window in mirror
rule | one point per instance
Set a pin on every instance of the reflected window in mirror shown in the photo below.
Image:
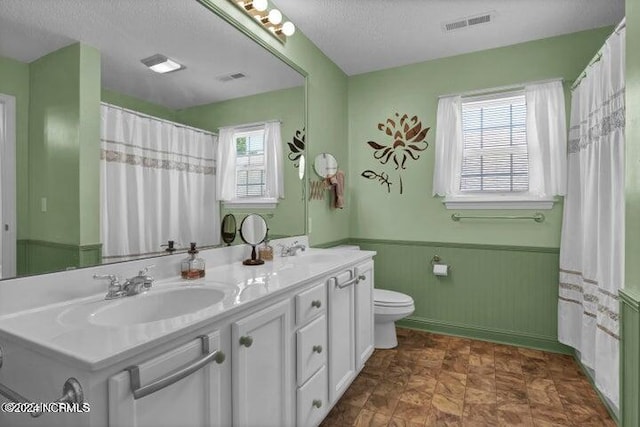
(251, 165)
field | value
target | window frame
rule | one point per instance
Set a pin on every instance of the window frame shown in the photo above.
(493, 199)
(250, 202)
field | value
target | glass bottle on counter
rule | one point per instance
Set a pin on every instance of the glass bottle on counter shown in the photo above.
(192, 267)
(265, 252)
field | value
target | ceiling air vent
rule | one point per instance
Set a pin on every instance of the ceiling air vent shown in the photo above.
(231, 77)
(469, 21)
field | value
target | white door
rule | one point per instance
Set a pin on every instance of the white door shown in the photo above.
(194, 400)
(261, 347)
(8, 185)
(342, 357)
(364, 313)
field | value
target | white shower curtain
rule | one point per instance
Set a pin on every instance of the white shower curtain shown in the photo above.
(592, 244)
(157, 184)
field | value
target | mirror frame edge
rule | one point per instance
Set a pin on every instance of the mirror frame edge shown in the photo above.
(209, 4)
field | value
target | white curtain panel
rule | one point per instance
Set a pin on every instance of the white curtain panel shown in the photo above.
(2, 150)
(446, 174)
(546, 139)
(157, 184)
(274, 162)
(226, 162)
(592, 243)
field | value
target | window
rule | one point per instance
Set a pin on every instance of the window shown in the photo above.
(250, 164)
(494, 140)
(502, 150)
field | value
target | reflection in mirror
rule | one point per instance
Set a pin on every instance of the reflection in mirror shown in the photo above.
(228, 229)
(325, 165)
(88, 194)
(253, 231)
(301, 167)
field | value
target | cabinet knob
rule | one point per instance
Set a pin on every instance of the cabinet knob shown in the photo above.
(316, 303)
(317, 403)
(246, 341)
(317, 349)
(219, 357)
(362, 277)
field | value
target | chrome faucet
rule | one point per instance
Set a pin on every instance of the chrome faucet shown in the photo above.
(134, 286)
(291, 250)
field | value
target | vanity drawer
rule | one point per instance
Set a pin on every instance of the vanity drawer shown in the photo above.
(311, 348)
(310, 303)
(312, 400)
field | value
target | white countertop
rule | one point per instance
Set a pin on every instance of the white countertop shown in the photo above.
(64, 330)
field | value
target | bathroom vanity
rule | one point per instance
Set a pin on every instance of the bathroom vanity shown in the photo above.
(275, 344)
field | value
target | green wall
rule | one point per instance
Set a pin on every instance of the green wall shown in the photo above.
(630, 301)
(414, 90)
(64, 133)
(286, 105)
(326, 112)
(136, 104)
(14, 80)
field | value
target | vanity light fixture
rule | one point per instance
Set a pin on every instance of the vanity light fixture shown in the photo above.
(271, 20)
(161, 64)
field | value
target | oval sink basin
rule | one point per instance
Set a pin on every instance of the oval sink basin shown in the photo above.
(156, 305)
(316, 257)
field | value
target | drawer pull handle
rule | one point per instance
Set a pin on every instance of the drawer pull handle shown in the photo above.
(246, 341)
(317, 303)
(353, 281)
(317, 349)
(317, 403)
(208, 357)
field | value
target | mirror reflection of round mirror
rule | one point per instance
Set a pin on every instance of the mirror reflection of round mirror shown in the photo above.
(325, 165)
(253, 229)
(301, 166)
(228, 229)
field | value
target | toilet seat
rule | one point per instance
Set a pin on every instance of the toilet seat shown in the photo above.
(386, 298)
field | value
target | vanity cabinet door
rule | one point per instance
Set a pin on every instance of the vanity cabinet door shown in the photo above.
(341, 316)
(193, 400)
(364, 313)
(261, 368)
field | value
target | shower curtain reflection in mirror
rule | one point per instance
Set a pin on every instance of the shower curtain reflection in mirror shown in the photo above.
(7, 186)
(157, 184)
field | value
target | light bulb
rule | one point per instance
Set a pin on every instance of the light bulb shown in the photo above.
(288, 28)
(275, 17)
(260, 5)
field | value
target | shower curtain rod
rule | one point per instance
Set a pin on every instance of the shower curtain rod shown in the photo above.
(499, 89)
(147, 116)
(598, 54)
(250, 125)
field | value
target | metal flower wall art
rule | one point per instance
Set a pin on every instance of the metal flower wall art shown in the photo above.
(405, 139)
(296, 147)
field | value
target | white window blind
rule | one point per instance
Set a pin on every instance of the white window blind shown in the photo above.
(250, 164)
(494, 155)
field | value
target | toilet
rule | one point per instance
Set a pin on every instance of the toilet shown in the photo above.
(389, 306)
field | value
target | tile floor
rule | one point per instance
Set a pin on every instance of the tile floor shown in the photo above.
(438, 380)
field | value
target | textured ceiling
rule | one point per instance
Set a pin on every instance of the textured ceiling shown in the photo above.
(368, 35)
(126, 31)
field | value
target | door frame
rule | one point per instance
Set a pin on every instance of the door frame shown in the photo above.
(8, 187)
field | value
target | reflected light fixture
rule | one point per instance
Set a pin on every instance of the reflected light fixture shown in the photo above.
(161, 64)
(271, 20)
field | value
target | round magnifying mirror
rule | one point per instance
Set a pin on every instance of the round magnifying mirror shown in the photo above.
(301, 166)
(325, 165)
(228, 229)
(253, 231)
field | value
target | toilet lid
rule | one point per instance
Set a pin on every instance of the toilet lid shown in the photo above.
(383, 297)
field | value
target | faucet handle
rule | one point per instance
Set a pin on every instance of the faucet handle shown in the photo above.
(145, 270)
(111, 277)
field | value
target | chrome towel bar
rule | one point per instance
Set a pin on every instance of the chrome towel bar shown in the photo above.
(537, 217)
(175, 376)
(71, 393)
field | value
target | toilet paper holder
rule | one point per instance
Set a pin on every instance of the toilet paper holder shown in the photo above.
(437, 260)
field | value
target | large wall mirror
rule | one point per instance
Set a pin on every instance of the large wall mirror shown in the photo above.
(100, 138)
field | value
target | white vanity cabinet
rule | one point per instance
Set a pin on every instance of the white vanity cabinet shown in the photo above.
(194, 399)
(364, 313)
(261, 367)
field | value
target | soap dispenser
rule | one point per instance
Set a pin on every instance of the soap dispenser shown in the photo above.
(192, 266)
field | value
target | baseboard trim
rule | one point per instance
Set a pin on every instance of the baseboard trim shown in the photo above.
(486, 334)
